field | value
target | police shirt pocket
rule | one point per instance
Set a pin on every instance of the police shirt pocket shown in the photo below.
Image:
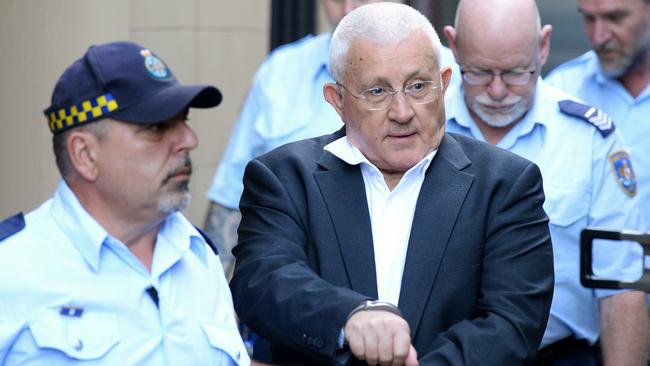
(223, 338)
(566, 206)
(86, 337)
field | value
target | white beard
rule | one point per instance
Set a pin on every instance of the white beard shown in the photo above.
(517, 109)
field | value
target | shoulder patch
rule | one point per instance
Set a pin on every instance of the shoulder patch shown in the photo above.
(11, 226)
(207, 240)
(601, 120)
(622, 167)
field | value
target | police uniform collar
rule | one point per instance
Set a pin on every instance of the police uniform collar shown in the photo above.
(543, 102)
(181, 235)
(84, 232)
(88, 236)
(596, 71)
(536, 115)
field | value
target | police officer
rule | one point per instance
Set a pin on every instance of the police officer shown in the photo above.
(615, 75)
(108, 271)
(588, 178)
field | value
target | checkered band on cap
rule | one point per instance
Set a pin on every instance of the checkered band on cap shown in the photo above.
(85, 111)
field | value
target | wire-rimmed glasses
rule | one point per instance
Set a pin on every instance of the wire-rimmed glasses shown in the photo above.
(510, 77)
(379, 98)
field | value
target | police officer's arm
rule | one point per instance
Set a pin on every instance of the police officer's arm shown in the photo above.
(624, 329)
(221, 226)
(624, 325)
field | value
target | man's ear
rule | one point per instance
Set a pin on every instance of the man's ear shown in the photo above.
(333, 96)
(450, 33)
(83, 151)
(445, 75)
(545, 43)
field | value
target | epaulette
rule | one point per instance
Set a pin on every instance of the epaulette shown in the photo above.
(601, 120)
(207, 240)
(11, 226)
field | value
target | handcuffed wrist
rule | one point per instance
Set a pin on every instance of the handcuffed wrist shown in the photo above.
(375, 305)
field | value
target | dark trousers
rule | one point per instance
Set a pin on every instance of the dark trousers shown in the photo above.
(569, 352)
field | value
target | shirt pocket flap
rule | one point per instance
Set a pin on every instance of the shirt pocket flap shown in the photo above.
(225, 339)
(86, 337)
(566, 206)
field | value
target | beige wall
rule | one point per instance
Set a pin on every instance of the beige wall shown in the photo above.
(203, 41)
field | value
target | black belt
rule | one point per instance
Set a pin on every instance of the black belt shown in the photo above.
(578, 351)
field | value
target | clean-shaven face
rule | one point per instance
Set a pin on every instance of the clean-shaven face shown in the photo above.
(398, 137)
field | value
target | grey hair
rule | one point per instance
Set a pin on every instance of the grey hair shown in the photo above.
(98, 128)
(385, 22)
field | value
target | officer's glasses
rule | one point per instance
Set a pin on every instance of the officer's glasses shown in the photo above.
(378, 98)
(512, 78)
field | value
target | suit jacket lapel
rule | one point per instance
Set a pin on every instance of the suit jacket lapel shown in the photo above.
(344, 193)
(443, 192)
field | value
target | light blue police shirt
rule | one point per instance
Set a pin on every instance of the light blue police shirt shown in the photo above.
(581, 189)
(583, 78)
(284, 104)
(71, 294)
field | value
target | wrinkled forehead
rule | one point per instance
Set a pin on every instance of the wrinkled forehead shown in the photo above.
(498, 53)
(397, 61)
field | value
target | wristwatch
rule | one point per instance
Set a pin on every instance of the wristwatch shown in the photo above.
(376, 305)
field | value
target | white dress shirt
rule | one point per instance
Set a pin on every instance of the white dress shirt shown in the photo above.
(391, 214)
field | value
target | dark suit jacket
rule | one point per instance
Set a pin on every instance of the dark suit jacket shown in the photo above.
(478, 277)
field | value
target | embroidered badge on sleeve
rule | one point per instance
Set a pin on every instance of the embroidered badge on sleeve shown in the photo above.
(622, 166)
